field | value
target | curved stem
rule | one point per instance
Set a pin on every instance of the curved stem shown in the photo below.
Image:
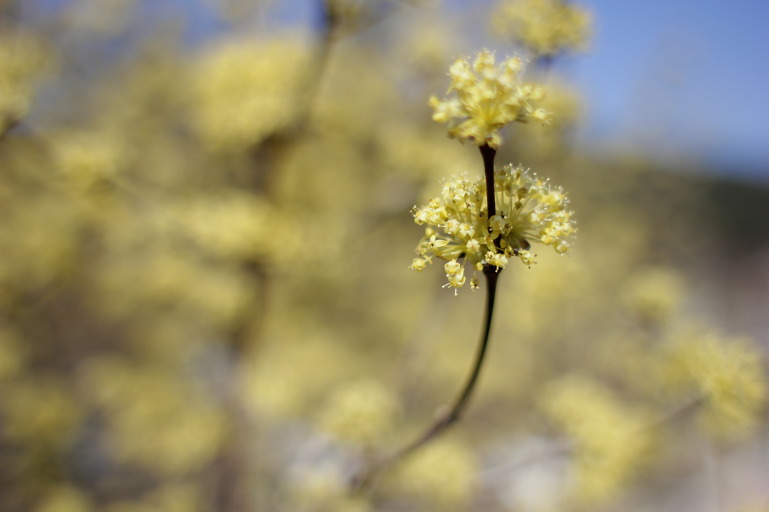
(491, 292)
(450, 417)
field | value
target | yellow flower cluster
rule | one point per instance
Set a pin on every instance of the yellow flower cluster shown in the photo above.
(529, 209)
(360, 412)
(545, 27)
(443, 474)
(608, 437)
(40, 412)
(653, 294)
(87, 159)
(726, 373)
(253, 227)
(22, 60)
(489, 97)
(181, 429)
(245, 91)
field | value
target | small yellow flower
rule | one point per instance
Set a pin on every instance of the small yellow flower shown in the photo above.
(489, 97)
(452, 268)
(496, 259)
(527, 258)
(418, 264)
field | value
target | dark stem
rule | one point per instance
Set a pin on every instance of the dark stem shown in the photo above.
(453, 415)
(488, 153)
(491, 292)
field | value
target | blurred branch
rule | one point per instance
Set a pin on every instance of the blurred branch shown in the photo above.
(676, 412)
(566, 447)
(558, 448)
(9, 126)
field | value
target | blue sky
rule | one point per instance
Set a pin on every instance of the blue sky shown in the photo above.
(683, 75)
(665, 77)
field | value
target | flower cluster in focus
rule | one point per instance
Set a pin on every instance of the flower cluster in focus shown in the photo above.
(545, 27)
(529, 209)
(489, 97)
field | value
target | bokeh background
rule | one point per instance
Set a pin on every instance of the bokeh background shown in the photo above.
(205, 234)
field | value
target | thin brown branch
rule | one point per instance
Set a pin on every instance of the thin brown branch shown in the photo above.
(365, 478)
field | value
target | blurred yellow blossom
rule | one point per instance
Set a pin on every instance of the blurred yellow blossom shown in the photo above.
(609, 439)
(64, 499)
(40, 412)
(545, 27)
(653, 293)
(22, 59)
(86, 159)
(173, 277)
(235, 226)
(156, 419)
(360, 412)
(552, 143)
(726, 373)
(442, 473)
(489, 96)
(292, 374)
(246, 90)
(323, 490)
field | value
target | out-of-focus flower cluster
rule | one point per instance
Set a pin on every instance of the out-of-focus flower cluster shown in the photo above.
(22, 60)
(725, 374)
(608, 438)
(546, 28)
(244, 92)
(529, 210)
(489, 96)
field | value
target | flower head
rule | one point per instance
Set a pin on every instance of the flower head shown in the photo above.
(489, 97)
(529, 210)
